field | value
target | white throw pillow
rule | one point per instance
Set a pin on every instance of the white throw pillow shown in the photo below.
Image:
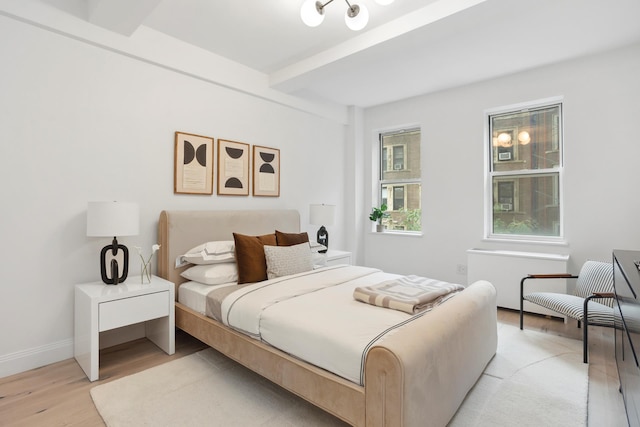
(211, 253)
(212, 274)
(286, 260)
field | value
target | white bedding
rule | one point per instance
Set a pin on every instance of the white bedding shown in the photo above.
(194, 295)
(313, 316)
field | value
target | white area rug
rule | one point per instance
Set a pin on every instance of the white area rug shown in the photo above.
(535, 379)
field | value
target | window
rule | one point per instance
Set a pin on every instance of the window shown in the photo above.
(400, 179)
(525, 173)
(393, 157)
(398, 157)
(505, 195)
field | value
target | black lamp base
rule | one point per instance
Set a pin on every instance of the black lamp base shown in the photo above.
(114, 268)
(323, 238)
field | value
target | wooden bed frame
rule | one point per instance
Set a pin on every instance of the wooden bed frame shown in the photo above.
(418, 376)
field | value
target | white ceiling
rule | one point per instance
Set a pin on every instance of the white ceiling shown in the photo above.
(410, 47)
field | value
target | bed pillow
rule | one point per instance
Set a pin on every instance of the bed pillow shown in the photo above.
(286, 260)
(252, 266)
(289, 239)
(212, 274)
(317, 247)
(211, 253)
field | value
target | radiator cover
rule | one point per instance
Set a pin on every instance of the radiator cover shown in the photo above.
(505, 269)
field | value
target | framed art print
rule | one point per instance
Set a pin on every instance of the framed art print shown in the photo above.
(266, 171)
(193, 164)
(233, 168)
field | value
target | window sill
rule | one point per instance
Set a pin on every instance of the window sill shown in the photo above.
(525, 241)
(398, 233)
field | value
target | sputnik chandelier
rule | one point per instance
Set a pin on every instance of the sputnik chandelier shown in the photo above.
(356, 16)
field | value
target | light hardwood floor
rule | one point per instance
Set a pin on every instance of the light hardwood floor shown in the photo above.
(58, 394)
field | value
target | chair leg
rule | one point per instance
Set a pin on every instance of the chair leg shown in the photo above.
(521, 320)
(522, 301)
(585, 329)
(585, 345)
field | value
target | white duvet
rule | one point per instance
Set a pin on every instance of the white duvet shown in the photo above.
(313, 316)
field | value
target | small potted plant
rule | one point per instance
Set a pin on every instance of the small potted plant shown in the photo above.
(377, 214)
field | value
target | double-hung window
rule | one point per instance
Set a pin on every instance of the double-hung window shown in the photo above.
(525, 173)
(400, 179)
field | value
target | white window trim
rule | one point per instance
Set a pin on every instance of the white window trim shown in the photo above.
(488, 189)
(376, 179)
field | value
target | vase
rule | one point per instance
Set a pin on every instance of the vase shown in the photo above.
(379, 228)
(145, 273)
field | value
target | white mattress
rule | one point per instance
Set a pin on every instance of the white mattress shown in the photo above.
(194, 295)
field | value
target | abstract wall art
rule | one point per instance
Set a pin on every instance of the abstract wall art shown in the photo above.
(193, 164)
(266, 171)
(233, 168)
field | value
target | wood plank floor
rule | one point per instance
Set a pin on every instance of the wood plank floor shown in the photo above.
(58, 394)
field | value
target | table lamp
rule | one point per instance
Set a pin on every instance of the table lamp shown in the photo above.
(111, 219)
(322, 215)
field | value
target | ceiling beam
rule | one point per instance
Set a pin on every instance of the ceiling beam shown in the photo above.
(120, 16)
(292, 77)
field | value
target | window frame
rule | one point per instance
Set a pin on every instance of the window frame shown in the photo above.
(490, 174)
(378, 182)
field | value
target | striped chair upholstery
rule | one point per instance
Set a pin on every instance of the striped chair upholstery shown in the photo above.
(594, 277)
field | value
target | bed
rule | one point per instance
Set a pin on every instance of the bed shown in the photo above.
(418, 376)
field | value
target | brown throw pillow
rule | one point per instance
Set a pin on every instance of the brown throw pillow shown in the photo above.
(252, 265)
(290, 239)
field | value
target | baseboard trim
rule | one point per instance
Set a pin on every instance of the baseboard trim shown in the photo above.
(36, 357)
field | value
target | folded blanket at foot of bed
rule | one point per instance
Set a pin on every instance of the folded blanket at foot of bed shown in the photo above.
(411, 294)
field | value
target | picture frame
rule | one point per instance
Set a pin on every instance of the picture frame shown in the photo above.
(193, 164)
(266, 171)
(233, 168)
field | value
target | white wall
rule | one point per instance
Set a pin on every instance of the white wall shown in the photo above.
(602, 158)
(81, 123)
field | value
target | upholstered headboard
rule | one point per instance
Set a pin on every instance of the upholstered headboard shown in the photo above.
(179, 231)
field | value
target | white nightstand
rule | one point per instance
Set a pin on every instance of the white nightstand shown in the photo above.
(335, 257)
(100, 307)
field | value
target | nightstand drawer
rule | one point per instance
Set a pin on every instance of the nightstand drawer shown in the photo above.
(335, 257)
(339, 260)
(127, 311)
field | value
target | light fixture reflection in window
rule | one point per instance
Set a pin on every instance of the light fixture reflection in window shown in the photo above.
(504, 139)
(524, 138)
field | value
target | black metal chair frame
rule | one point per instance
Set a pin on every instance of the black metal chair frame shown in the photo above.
(585, 329)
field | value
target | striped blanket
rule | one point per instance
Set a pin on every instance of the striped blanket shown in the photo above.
(411, 294)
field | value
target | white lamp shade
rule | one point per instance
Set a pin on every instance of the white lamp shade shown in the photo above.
(310, 15)
(359, 21)
(111, 219)
(384, 2)
(322, 214)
